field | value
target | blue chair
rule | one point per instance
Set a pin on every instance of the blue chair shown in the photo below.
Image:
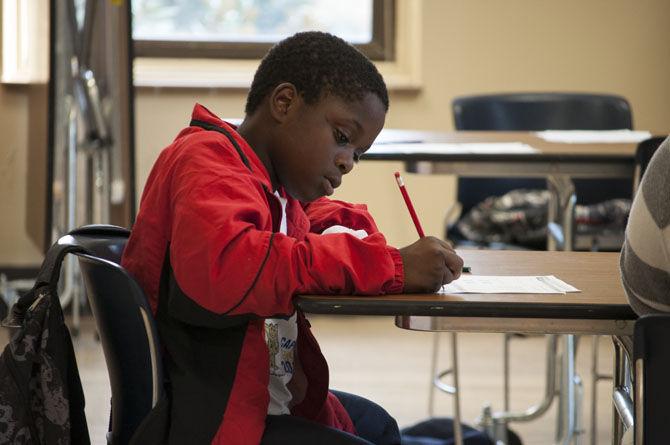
(536, 112)
(126, 327)
(651, 357)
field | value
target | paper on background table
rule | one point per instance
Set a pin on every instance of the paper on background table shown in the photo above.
(491, 284)
(593, 137)
(445, 148)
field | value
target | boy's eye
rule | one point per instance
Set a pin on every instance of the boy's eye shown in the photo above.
(340, 138)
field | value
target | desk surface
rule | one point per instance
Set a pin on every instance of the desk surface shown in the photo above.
(595, 274)
(592, 160)
(388, 137)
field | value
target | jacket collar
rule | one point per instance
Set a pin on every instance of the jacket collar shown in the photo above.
(201, 113)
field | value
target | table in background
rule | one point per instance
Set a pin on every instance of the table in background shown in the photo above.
(555, 161)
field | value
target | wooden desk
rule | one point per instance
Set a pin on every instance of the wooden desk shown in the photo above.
(585, 160)
(557, 162)
(600, 307)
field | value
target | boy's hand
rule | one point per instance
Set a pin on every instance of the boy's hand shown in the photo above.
(429, 263)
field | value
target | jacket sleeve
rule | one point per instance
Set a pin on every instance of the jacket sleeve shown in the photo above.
(224, 260)
(324, 213)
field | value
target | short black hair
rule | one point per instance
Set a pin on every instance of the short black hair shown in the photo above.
(317, 63)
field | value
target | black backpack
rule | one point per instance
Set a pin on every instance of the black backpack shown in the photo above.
(41, 397)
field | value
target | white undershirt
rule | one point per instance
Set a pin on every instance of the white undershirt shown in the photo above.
(281, 336)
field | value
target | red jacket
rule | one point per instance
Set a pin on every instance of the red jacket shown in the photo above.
(206, 249)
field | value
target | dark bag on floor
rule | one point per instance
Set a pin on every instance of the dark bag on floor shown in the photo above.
(520, 217)
(41, 398)
(440, 431)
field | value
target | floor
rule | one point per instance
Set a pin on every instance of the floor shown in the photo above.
(369, 356)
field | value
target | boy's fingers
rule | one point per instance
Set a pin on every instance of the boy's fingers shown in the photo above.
(448, 276)
(446, 245)
(454, 263)
(453, 266)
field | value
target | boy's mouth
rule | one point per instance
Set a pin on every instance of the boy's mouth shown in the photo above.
(330, 185)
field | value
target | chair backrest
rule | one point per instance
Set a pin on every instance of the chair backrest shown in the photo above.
(643, 154)
(101, 240)
(652, 379)
(126, 327)
(542, 111)
(535, 112)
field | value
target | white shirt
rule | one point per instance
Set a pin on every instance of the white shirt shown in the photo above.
(281, 336)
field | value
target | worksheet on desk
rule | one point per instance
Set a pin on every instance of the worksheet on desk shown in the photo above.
(594, 137)
(504, 284)
(438, 148)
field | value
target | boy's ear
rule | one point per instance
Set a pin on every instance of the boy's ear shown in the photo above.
(283, 100)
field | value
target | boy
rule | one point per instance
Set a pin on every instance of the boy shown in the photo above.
(230, 228)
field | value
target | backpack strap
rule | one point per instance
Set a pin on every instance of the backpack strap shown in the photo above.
(49, 273)
(47, 277)
(226, 133)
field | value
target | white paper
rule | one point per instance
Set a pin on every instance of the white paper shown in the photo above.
(360, 234)
(491, 284)
(444, 148)
(593, 137)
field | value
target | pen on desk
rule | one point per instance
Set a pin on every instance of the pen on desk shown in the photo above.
(412, 212)
(408, 203)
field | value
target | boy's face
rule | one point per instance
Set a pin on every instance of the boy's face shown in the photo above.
(316, 145)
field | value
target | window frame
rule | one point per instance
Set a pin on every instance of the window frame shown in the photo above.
(381, 47)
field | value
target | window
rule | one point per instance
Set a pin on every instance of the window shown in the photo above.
(245, 29)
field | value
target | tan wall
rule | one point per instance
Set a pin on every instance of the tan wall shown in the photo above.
(480, 46)
(476, 46)
(22, 189)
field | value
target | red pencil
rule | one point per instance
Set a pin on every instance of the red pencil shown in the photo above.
(408, 202)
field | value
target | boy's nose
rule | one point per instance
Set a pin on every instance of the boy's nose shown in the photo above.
(345, 162)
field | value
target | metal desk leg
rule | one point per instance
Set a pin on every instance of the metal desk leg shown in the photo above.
(436, 382)
(623, 414)
(596, 377)
(506, 375)
(433, 374)
(496, 423)
(568, 406)
(458, 433)
(594, 389)
(561, 211)
(617, 424)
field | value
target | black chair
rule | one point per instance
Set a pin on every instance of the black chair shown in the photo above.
(645, 150)
(100, 240)
(651, 357)
(126, 327)
(536, 112)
